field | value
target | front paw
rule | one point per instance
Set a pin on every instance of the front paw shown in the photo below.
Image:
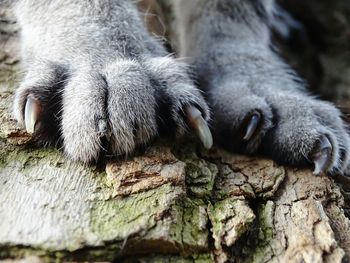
(308, 131)
(293, 129)
(127, 102)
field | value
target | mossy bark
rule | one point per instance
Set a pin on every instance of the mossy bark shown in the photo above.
(171, 204)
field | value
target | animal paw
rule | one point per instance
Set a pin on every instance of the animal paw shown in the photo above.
(127, 103)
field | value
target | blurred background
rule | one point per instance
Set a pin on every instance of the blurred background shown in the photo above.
(313, 36)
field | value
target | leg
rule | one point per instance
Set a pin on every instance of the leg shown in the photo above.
(93, 73)
(258, 102)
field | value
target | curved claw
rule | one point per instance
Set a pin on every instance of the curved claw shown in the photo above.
(196, 121)
(32, 113)
(322, 155)
(252, 125)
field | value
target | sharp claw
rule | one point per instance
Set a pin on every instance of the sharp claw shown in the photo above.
(31, 113)
(253, 124)
(322, 155)
(200, 125)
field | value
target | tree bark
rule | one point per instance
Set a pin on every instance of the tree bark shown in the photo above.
(170, 204)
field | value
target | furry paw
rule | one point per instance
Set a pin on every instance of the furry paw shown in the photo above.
(285, 124)
(127, 103)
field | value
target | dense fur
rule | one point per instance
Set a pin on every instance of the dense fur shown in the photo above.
(100, 75)
(116, 81)
(230, 43)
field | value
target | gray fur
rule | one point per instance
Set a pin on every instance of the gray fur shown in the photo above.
(230, 44)
(114, 71)
(116, 77)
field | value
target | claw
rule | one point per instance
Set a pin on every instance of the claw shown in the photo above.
(31, 113)
(322, 155)
(197, 122)
(253, 124)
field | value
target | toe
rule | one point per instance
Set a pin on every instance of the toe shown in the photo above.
(330, 116)
(84, 117)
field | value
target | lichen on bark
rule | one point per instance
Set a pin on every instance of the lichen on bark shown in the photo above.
(170, 204)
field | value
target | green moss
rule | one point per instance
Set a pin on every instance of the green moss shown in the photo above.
(200, 174)
(193, 225)
(158, 220)
(3, 154)
(266, 221)
(263, 250)
(186, 228)
(27, 157)
(120, 218)
(200, 178)
(169, 222)
(233, 212)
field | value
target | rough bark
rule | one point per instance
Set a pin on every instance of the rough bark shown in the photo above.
(170, 204)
